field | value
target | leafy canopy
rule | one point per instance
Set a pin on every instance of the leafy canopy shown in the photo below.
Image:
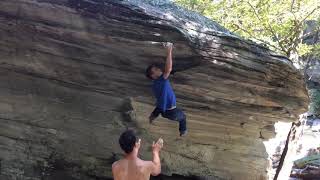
(277, 23)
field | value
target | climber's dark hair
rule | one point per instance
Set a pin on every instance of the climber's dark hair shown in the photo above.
(148, 70)
(127, 141)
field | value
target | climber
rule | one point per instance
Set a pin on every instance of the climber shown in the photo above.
(132, 167)
(166, 99)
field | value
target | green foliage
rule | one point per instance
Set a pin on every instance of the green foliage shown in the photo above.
(305, 49)
(315, 101)
(277, 23)
(316, 50)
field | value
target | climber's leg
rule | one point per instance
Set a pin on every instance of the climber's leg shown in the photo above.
(155, 113)
(182, 122)
(177, 115)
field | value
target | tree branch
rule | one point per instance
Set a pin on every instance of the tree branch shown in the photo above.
(292, 3)
(269, 27)
(318, 7)
(253, 37)
(291, 10)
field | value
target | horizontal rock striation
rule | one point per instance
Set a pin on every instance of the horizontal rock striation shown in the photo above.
(72, 79)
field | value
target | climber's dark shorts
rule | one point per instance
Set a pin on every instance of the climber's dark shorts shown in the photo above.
(174, 115)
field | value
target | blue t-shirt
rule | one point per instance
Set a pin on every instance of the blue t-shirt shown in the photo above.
(166, 99)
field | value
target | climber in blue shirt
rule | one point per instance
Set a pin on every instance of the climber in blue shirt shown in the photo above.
(164, 94)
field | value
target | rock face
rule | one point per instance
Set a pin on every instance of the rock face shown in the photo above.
(72, 79)
(312, 69)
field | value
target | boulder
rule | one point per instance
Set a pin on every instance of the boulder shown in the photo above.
(72, 79)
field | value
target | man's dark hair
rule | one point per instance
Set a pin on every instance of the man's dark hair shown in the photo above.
(148, 71)
(127, 141)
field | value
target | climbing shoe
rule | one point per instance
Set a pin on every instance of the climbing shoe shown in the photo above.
(183, 133)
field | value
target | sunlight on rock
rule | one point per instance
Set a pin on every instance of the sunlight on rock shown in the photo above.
(218, 63)
(169, 16)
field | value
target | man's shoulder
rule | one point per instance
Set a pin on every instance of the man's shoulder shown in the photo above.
(146, 163)
(162, 78)
(117, 165)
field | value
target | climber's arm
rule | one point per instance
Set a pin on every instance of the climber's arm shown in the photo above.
(168, 66)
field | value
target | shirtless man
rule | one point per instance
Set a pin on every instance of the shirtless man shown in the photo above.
(132, 167)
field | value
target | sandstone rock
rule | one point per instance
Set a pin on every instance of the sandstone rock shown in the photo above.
(72, 79)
